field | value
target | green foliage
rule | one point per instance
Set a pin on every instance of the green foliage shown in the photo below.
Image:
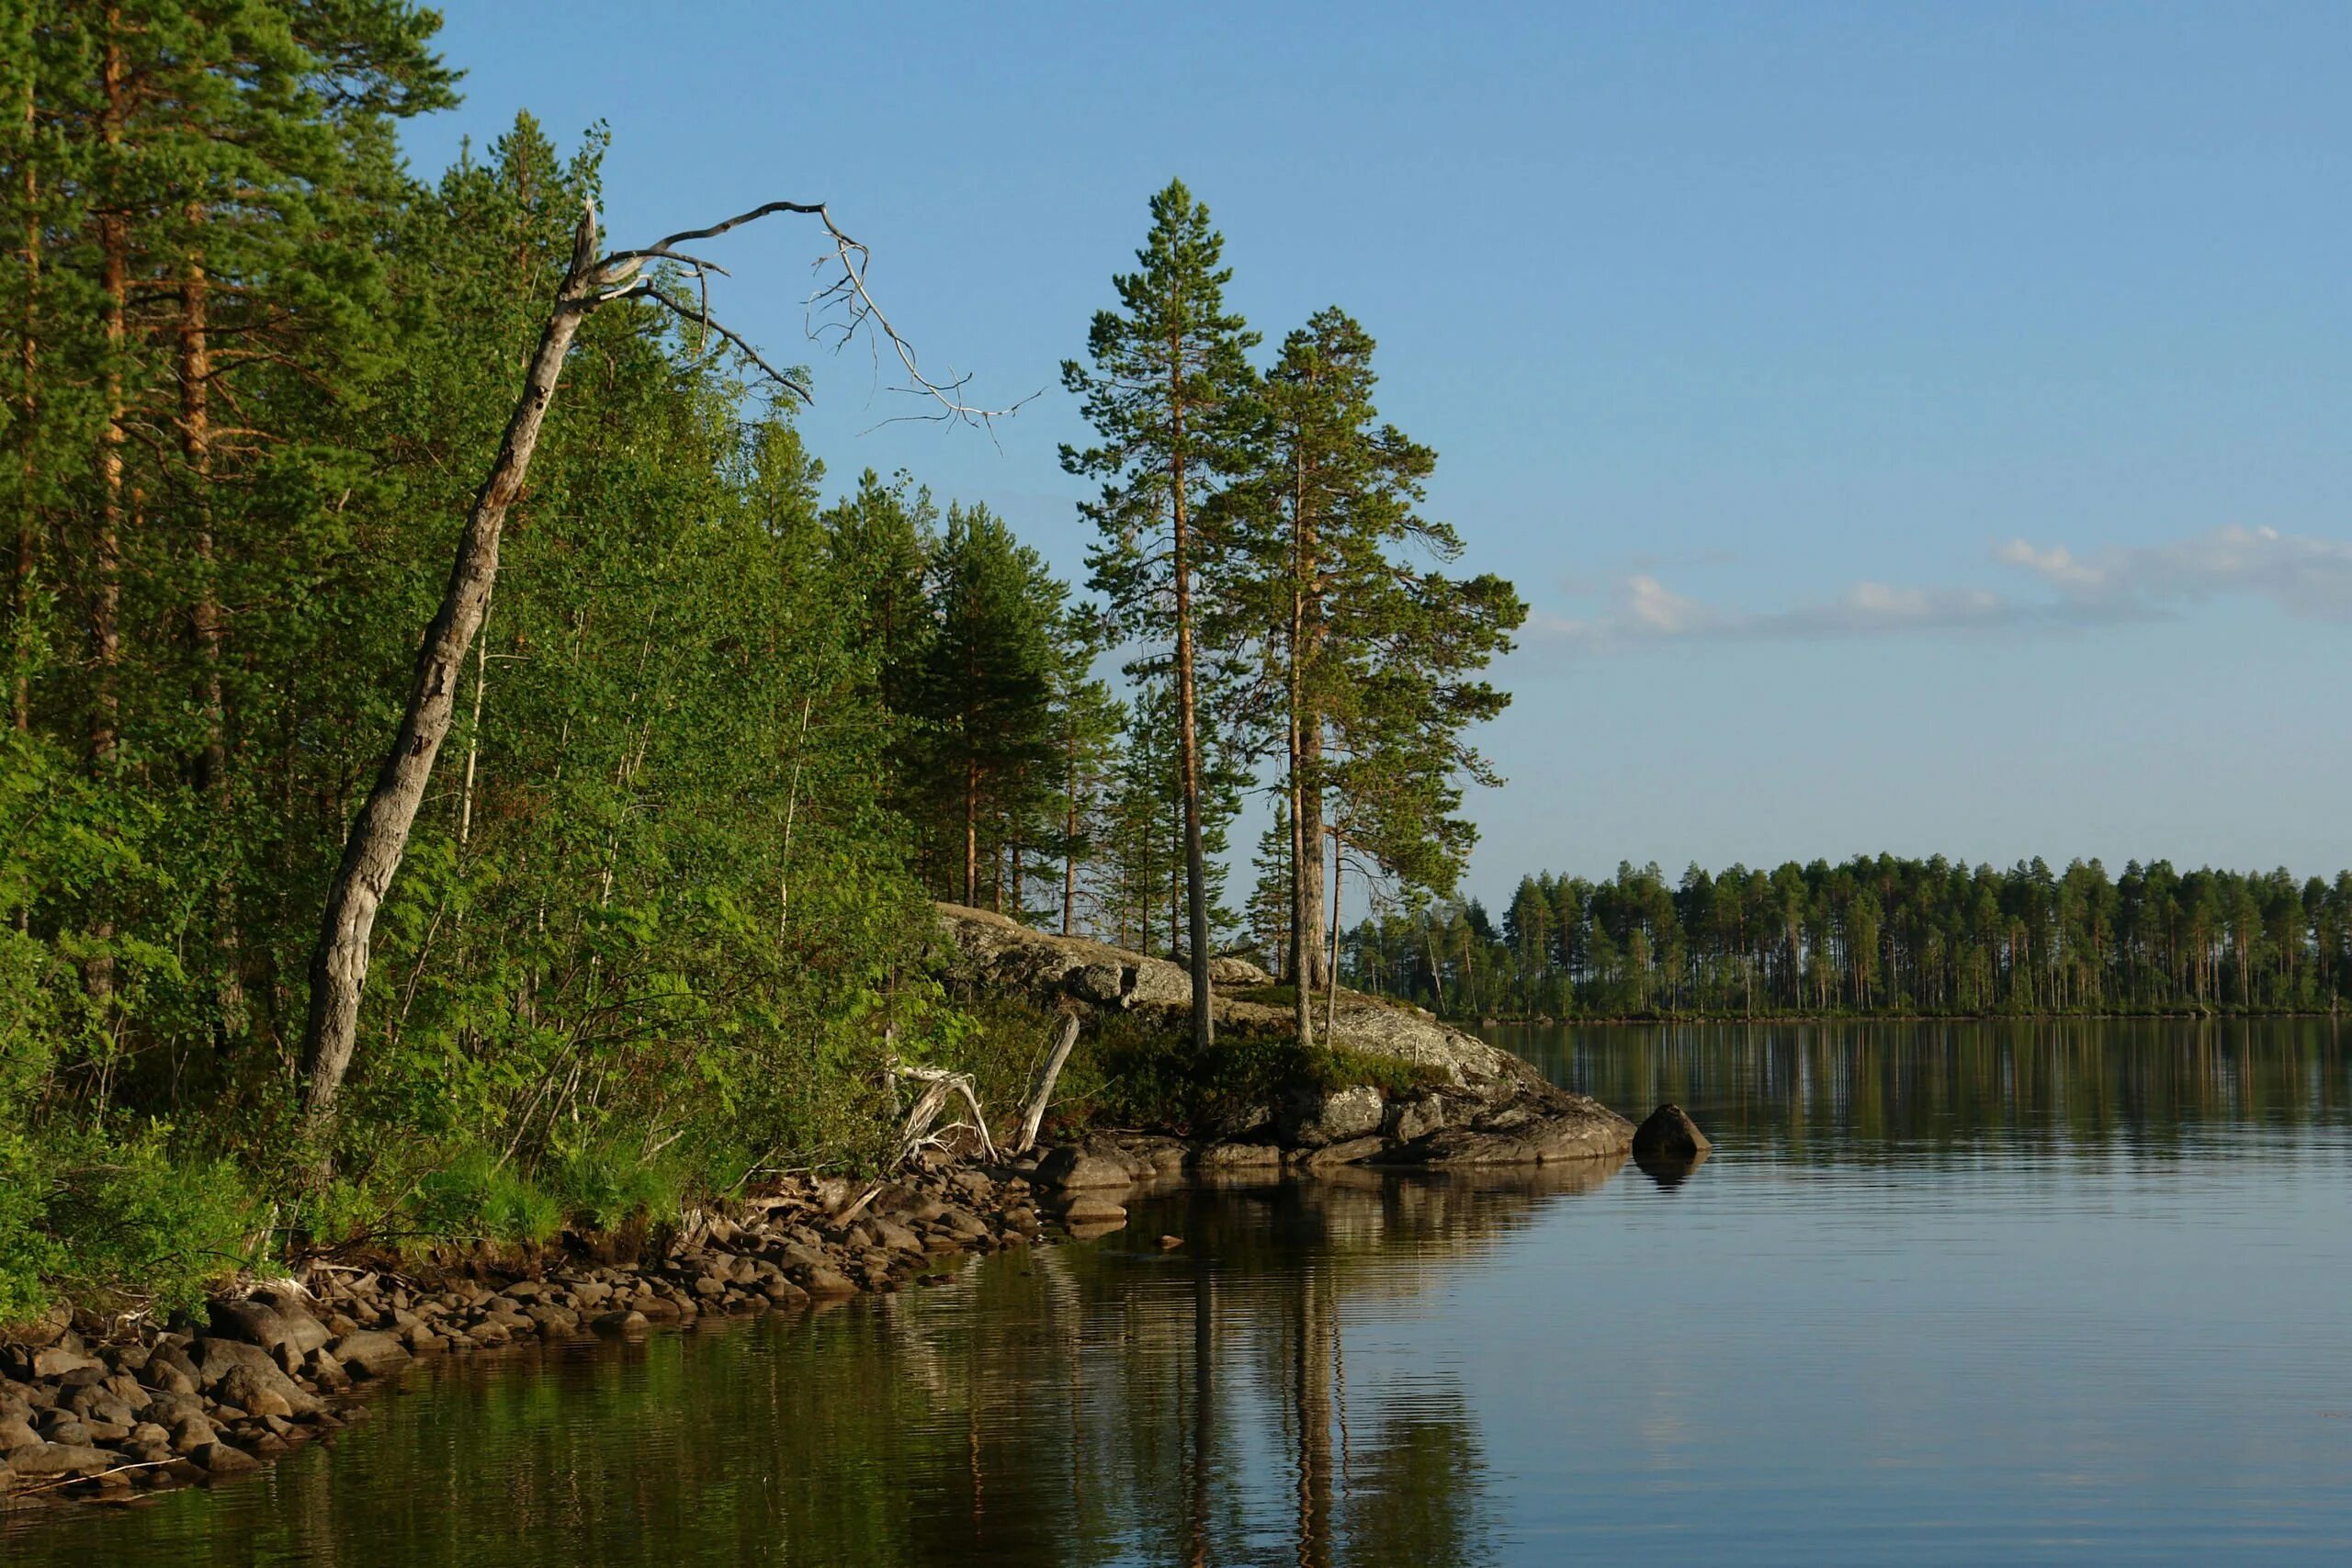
(1877, 934)
(478, 1195)
(1142, 1073)
(122, 1218)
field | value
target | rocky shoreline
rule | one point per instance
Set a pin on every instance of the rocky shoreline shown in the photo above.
(108, 1408)
(92, 1409)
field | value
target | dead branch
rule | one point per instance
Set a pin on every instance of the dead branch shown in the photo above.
(859, 313)
(1041, 1087)
(943, 1087)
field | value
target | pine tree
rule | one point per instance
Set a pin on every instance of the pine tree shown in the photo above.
(1167, 390)
(1370, 653)
(984, 695)
(1271, 925)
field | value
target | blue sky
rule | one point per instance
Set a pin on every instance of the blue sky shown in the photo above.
(1921, 428)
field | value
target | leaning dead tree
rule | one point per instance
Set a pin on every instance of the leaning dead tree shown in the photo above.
(841, 311)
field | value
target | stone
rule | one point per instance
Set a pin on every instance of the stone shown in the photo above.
(249, 1322)
(303, 1332)
(1092, 1209)
(1670, 1148)
(554, 1322)
(62, 1459)
(1070, 1167)
(45, 1330)
(102, 1405)
(16, 1433)
(1156, 983)
(58, 1360)
(1538, 1126)
(58, 1427)
(244, 1387)
(1102, 983)
(1412, 1119)
(896, 1237)
(824, 1281)
(224, 1458)
(1238, 972)
(371, 1349)
(1237, 1156)
(190, 1433)
(1348, 1153)
(217, 1359)
(1668, 1134)
(1335, 1116)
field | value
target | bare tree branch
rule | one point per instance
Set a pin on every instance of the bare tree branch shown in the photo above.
(859, 311)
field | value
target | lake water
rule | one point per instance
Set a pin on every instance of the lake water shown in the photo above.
(1944, 1293)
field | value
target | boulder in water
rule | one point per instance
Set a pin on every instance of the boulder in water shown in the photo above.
(1670, 1135)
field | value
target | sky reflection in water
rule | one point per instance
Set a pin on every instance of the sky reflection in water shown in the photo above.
(1945, 1293)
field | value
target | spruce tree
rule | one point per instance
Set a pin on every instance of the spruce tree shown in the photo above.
(984, 697)
(1167, 391)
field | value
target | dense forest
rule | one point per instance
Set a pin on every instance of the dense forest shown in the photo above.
(718, 732)
(1872, 935)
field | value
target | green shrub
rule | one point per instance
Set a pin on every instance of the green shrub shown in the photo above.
(1140, 1071)
(477, 1196)
(121, 1220)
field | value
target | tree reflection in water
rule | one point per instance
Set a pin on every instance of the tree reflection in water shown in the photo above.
(1091, 1404)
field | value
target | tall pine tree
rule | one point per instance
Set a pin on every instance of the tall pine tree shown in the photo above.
(1167, 392)
(1374, 657)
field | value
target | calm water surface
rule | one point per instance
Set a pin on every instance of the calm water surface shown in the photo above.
(1945, 1293)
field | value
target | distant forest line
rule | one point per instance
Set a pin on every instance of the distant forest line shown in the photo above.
(1872, 935)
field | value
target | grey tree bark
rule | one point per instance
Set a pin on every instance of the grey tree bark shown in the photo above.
(379, 838)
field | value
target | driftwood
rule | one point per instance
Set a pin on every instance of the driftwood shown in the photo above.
(1041, 1085)
(940, 1087)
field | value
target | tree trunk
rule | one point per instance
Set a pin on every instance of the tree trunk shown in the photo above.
(1196, 872)
(1314, 942)
(105, 636)
(972, 835)
(1041, 1087)
(28, 410)
(379, 838)
(473, 729)
(1331, 987)
(195, 450)
(1069, 844)
(1306, 739)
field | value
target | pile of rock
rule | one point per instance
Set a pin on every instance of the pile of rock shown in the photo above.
(83, 1415)
(168, 1407)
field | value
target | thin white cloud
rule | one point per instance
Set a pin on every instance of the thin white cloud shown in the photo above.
(2306, 577)
(2309, 577)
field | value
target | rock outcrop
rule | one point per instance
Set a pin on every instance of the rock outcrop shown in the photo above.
(1482, 1106)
